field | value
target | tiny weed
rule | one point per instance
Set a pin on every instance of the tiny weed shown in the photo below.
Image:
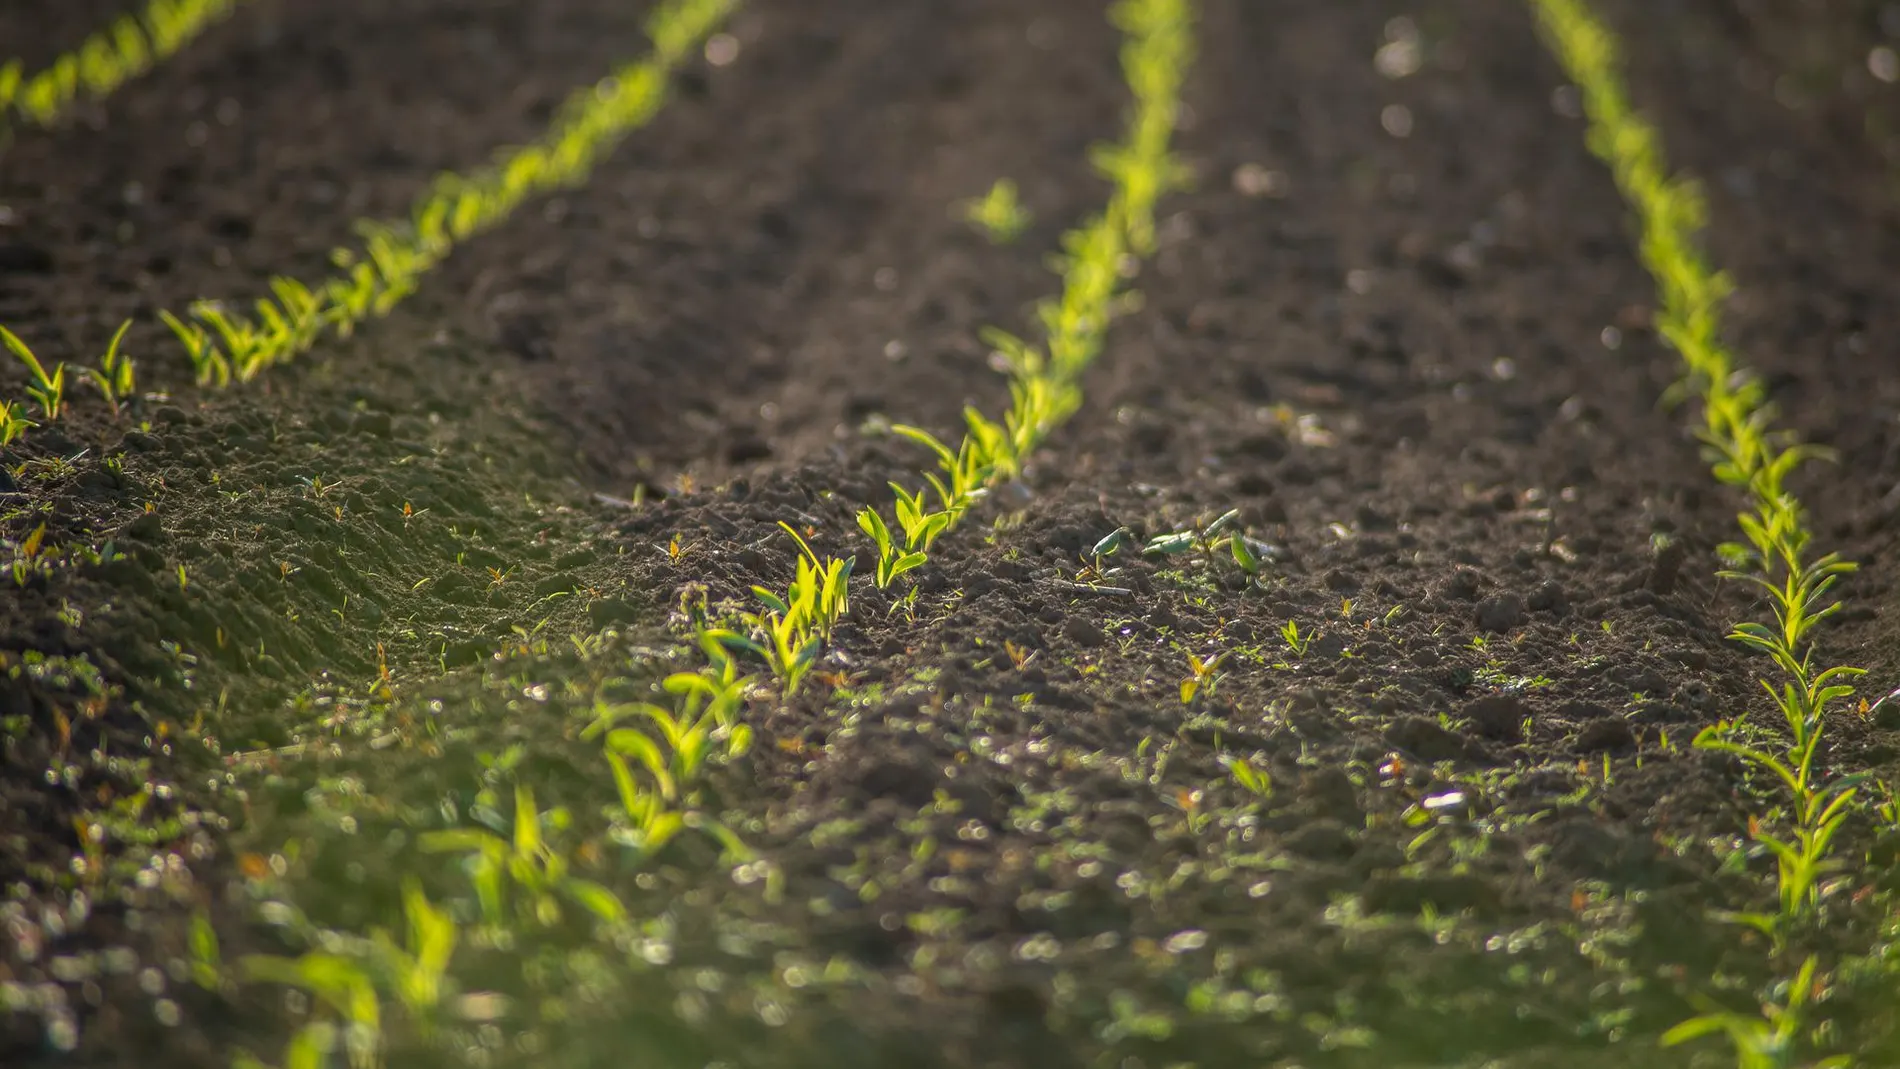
(999, 213)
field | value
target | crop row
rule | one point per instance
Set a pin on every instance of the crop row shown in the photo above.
(1773, 555)
(226, 344)
(106, 60)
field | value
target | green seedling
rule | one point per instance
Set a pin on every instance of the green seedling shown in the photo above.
(1254, 780)
(1295, 639)
(1771, 1040)
(526, 861)
(651, 823)
(1202, 678)
(1095, 561)
(208, 362)
(420, 965)
(343, 990)
(1247, 554)
(720, 690)
(1803, 856)
(49, 389)
(207, 965)
(115, 378)
(792, 630)
(13, 422)
(344, 983)
(708, 707)
(1171, 545)
(893, 558)
(1219, 539)
(999, 213)
(1111, 544)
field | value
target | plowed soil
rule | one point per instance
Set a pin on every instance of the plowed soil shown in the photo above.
(1396, 320)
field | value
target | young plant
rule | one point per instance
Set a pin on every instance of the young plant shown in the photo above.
(208, 362)
(1203, 676)
(1769, 1040)
(47, 389)
(707, 711)
(526, 861)
(792, 630)
(344, 993)
(894, 558)
(13, 422)
(343, 982)
(999, 213)
(649, 822)
(1254, 780)
(1220, 539)
(114, 378)
(1296, 640)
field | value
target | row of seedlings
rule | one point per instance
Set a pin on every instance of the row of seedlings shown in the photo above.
(226, 344)
(788, 633)
(1774, 555)
(523, 882)
(106, 60)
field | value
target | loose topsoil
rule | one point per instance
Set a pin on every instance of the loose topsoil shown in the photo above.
(1395, 319)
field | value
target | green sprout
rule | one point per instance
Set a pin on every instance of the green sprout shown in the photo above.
(47, 389)
(343, 991)
(1222, 538)
(1766, 1041)
(343, 982)
(13, 422)
(999, 213)
(792, 630)
(1295, 639)
(208, 363)
(527, 861)
(1203, 676)
(893, 559)
(114, 378)
(1254, 780)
